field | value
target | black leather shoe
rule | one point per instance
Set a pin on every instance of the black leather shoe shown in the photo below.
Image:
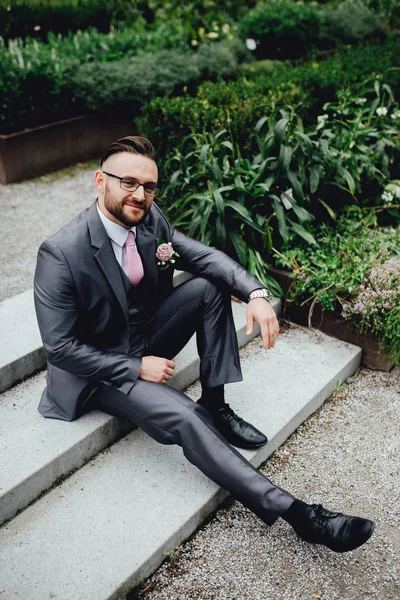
(236, 431)
(334, 530)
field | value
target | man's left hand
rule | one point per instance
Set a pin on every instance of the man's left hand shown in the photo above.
(261, 312)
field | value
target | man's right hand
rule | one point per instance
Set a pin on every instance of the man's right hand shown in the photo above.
(156, 369)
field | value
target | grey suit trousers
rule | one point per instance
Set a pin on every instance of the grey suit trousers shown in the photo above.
(170, 417)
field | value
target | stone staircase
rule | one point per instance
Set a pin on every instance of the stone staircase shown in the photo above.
(91, 508)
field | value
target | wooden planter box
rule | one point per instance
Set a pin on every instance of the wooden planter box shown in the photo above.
(37, 151)
(332, 323)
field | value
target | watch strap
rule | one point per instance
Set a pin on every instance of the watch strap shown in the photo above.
(260, 293)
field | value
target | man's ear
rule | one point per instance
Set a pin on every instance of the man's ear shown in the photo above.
(99, 181)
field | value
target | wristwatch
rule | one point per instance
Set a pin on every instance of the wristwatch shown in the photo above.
(260, 293)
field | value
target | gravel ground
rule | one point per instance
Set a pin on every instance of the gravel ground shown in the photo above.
(345, 456)
(31, 212)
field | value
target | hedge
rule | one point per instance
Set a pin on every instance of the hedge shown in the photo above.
(22, 18)
(35, 92)
(283, 29)
(237, 105)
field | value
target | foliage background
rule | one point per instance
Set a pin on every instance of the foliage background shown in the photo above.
(276, 123)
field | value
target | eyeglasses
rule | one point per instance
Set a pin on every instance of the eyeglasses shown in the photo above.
(131, 185)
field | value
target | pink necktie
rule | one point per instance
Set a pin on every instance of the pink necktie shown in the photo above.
(133, 260)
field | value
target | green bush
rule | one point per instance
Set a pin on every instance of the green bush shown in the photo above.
(39, 81)
(31, 86)
(386, 9)
(91, 45)
(281, 29)
(349, 23)
(357, 146)
(347, 156)
(349, 65)
(259, 91)
(200, 19)
(131, 83)
(37, 19)
(197, 19)
(236, 105)
(333, 269)
(128, 84)
(355, 266)
(234, 202)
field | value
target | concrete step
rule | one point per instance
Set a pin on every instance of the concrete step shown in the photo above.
(21, 350)
(109, 525)
(35, 452)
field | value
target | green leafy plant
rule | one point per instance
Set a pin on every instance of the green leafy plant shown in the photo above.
(355, 270)
(281, 29)
(355, 146)
(386, 9)
(36, 19)
(342, 258)
(238, 204)
(322, 79)
(198, 20)
(349, 23)
(35, 76)
(40, 83)
(260, 90)
(131, 83)
(215, 106)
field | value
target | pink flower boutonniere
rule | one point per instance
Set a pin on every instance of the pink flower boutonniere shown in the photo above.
(166, 255)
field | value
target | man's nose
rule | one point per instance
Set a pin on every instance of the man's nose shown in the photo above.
(139, 194)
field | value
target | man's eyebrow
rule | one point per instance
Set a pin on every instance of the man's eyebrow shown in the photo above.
(136, 179)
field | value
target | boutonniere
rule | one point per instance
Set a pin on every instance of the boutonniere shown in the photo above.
(166, 255)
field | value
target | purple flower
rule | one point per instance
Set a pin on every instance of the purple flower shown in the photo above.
(166, 255)
(165, 252)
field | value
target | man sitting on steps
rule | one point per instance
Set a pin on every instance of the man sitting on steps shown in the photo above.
(111, 323)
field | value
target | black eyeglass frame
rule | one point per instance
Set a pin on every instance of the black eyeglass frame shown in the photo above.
(150, 194)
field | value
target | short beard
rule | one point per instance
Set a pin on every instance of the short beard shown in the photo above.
(116, 208)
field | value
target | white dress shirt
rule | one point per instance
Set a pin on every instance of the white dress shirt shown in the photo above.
(117, 235)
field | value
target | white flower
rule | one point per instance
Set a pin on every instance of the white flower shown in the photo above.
(396, 115)
(285, 200)
(361, 100)
(387, 197)
(213, 35)
(393, 188)
(381, 111)
(251, 44)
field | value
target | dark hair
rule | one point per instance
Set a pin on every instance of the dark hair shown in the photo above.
(131, 143)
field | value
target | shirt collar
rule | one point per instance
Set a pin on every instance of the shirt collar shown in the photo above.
(114, 231)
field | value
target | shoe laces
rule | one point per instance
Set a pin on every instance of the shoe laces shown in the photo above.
(319, 510)
(322, 517)
(322, 513)
(228, 412)
(319, 519)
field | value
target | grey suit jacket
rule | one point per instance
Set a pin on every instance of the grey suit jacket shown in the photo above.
(82, 309)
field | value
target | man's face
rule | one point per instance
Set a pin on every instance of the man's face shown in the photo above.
(123, 207)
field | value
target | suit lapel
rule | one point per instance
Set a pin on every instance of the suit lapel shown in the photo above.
(105, 256)
(147, 247)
